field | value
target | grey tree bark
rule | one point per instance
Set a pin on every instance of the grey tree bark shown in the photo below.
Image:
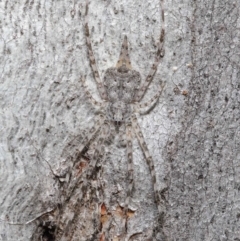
(193, 133)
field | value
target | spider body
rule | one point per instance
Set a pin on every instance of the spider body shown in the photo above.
(121, 84)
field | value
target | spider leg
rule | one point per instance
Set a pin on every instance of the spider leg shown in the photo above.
(98, 156)
(93, 132)
(90, 172)
(92, 100)
(140, 108)
(149, 160)
(98, 152)
(159, 55)
(130, 173)
(100, 85)
(100, 133)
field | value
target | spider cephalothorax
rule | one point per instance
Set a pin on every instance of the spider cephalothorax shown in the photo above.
(121, 84)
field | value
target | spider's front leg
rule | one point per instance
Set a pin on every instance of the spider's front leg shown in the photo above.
(159, 55)
(93, 64)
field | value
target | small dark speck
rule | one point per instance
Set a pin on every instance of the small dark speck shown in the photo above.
(200, 176)
(47, 130)
(226, 98)
(115, 11)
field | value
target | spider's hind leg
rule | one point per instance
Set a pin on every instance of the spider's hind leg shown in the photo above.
(130, 174)
(78, 149)
(99, 148)
(93, 173)
(158, 199)
(87, 180)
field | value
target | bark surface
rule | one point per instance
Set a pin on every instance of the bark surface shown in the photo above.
(193, 133)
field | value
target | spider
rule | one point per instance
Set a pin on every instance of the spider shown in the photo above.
(121, 92)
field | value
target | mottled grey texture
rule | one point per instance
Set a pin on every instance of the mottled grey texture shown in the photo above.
(193, 132)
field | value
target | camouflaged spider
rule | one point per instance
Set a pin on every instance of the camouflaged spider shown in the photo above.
(121, 92)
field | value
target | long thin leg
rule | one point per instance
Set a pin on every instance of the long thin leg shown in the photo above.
(98, 154)
(130, 172)
(90, 172)
(159, 55)
(148, 104)
(79, 149)
(92, 58)
(76, 150)
(101, 129)
(93, 131)
(92, 100)
(149, 160)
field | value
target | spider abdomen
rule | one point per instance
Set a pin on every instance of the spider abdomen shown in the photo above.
(118, 111)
